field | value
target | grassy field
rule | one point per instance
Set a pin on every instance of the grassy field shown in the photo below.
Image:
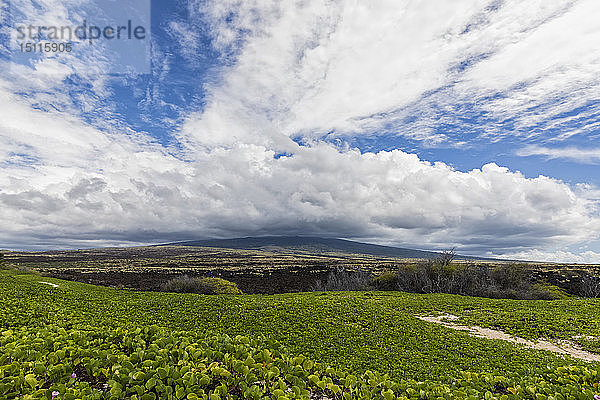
(148, 345)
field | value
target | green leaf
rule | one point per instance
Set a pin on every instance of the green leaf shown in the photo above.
(31, 381)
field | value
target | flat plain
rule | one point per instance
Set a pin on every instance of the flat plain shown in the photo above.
(255, 271)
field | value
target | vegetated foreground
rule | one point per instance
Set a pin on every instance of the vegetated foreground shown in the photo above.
(82, 341)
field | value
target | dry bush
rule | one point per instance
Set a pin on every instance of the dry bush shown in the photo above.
(590, 285)
(343, 280)
(441, 275)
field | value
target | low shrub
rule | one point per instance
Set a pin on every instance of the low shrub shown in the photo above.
(552, 292)
(200, 285)
(388, 280)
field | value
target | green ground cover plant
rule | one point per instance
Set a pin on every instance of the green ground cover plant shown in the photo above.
(82, 341)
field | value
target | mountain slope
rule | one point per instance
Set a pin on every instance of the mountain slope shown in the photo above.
(310, 244)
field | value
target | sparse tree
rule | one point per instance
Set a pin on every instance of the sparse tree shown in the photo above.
(446, 257)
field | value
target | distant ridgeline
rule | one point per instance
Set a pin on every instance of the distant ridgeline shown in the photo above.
(310, 244)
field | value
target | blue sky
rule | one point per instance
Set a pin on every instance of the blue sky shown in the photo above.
(473, 124)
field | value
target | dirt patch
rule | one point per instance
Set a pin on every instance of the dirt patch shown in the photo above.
(48, 283)
(562, 347)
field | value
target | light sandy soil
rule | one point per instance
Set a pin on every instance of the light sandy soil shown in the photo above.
(49, 283)
(562, 347)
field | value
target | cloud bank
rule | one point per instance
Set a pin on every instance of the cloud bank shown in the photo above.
(80, 183)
